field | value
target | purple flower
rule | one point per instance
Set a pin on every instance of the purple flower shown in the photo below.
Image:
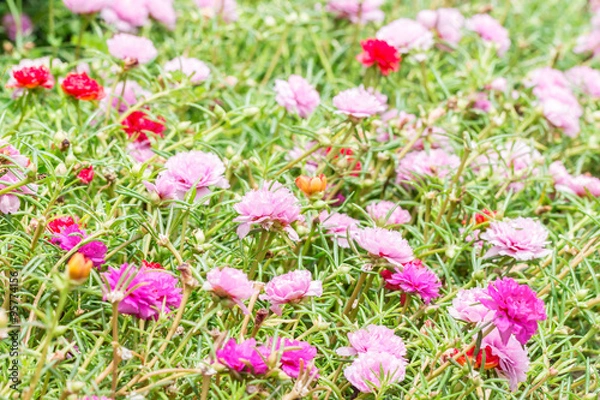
(272, 206)
(407, 35)
(244, 357)
(416, 279)
(296, 354)
(513, 362)
(490, 30)
(446, 22)
(340, 226)
(131, 49)
(374, 338)
(390, 245)
(297, 95)
(357, 11)
(467, 306)
(521, 238)
(579, 185)
(516, 309)
(373, 371)
(9, 23)
(191, 67)
(387, 213)
(359, 103)
(291, 288)
(86, 6)
(434, 162)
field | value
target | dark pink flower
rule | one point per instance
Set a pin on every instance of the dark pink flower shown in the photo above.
(414, 278)
(244, 357)
(294, 355)
(70, 235)
(86, 175)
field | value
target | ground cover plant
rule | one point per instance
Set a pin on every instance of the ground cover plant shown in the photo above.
(338, 199)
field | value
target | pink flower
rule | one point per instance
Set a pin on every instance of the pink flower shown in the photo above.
(9, 23)
(132, 49)
(86, 6)
(142, 152)
(513, 361)
(373, 371)
(226, 9)
(434, 162)
(12, 162)
(579, 185)
(446, 22)
(357, 11)
(244, 357)
(379, 242)
(291, 288)
(272, 206)
(126, 15)
(70, 236)
(387, 213)
(466, 306)
(589, 43)
(189, 170)
(125, 95)
(490, 30)
(147, 292)
(86, 175)
(546, 77)
(482, 102)
(585, 79)
(340, 226)
(229, 282)
(297, 95)
(498, 85)
(31, 74)
(415, 278)
(521, 238)
(359, 103)
(193, 68)
(294, 355)
(516, 309)
(406, 35)
(560, 108)
(163, 11)
(374, 338)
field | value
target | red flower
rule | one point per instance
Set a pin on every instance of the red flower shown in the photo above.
(31, 77)
(86, 175)
(379, 52)
(57, 225)
(137, 123)
(491, 360)
(82, 87)
(151, 265)
(347, 154)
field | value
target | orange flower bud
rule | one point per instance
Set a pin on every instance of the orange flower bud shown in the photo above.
(310, 186)
(79, 267)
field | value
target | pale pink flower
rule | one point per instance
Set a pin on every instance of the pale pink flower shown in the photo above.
(445, 22)
(359, 103)
(163, 11)
(513, 360)
(340, 226)
(387, 213)
(142, 152)
(406, 35)
(9, 23)
(132, 49)
(297, 95)
(589, 42)
(125, 95)
(374, 338)
(498, 84)
(86, 6)
(373, 371)
(482, 102)
(126, 15)
(467, 307)
(561, 108)
(193, 68)
(12, 162)
(229, 283)
(390, 245)
(546, 77)
(291, 288)
(579, 185)
(490, 30)
(521, 238)
(434, 162)
(357, 11)
(110, 17)
(226, 9)
(586, 79)
(271, 206)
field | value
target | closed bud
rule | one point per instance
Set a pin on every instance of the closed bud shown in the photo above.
(311, 186)
(60, 170)
(251, 111)
(78, 268)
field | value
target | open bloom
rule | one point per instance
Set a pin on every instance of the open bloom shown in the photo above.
(406, 35)
(390, 245)
(31, 74)
(82, 87)
(380, 53)
(225, 9)
(340, 226)
(86, 6)
(373, 371)
(358, 102)
(511, 356)
(191, 67)
(521, 238)
(244, 357)
(357, 11)
(466, 306)
(12, 28)
(516, 309)
(131, 49)
(68, 235)
(297, 95)
(590, 42)
(434, 162)
(126, 94)
(291, 288)
(445, 22)
(586, 79)
(143, 293)
(387, 213)
(271, 206)
(374, 338)
(490, 30)
(86, 175)
(229, 283)
(416, 279)
(138, 123)
(11, 164)
(579, 185)
(296, 355)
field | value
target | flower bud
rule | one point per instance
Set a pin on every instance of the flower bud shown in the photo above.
(79, 267)
(311, 186)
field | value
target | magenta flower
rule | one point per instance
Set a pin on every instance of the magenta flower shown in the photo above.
(466, 306)
(271, 206)
(357, 11)
(146, 293)
(490, 30)
(226, 9)
(434, 162)
(416, 279)
(407, 36)
(191, 67)
(390, 245)
(373, 371)
(359, 103)
(244, 357)
(374, 338)
(9, 23)
(586, 79)
(387, 213)
(291, 288)
(294, 355)
(445, 22)
(521, 238)
(131, 49)
(86, 6)
(513, 361)
(297, 95)
(516, 309)
(579, 185)
(340, 226)
(229, 283)
(69, 237)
